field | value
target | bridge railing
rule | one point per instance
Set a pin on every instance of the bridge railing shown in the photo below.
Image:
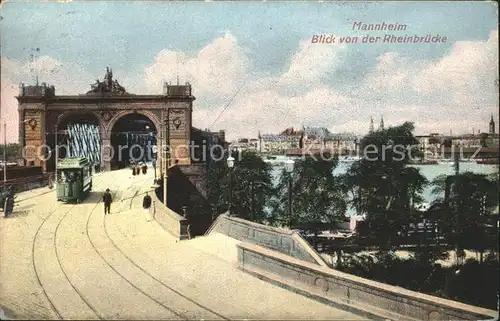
(25, 183)
(282, 240)
(169, 220)
(373, 299)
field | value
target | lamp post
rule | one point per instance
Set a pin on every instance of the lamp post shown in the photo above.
(56, 151)
(5, 151)
(166, 158)
(153, 150)
(289, 165)
(252, 204)
(230, 165)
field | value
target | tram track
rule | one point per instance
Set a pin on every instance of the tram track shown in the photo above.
(56, 311)
(219, 316)
(68, 209)
(64, 271)
(63, 210)
(180, 315)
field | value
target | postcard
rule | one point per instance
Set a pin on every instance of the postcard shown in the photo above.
(214, 160)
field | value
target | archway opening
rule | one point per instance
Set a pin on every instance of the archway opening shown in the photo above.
(133, 139)
(77, 135)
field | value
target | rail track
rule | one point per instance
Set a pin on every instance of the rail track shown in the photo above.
(45, 235)
(153, 277)
(56, 311)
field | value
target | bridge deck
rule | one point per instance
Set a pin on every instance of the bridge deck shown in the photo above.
(70, 261)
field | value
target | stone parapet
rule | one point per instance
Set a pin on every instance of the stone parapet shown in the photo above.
(282, 240)
(373, 299)
(169, 220)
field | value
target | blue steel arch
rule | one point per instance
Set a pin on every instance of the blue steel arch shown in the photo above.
(83, 139)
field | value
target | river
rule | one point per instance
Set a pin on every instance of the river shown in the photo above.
(428, 171)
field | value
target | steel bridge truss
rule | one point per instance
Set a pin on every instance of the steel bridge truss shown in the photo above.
(81, 140)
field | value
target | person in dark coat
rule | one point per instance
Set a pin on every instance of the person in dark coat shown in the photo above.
(146, 202)
(107, 199)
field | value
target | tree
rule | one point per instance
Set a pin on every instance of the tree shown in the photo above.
(251, 185)
(468, 210)
(382, 185)
(316, 195)
(434, 140)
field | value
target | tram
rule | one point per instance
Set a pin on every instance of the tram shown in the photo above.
(73, 179)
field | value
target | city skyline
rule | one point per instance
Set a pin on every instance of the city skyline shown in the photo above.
(475, 131)
(268, 74)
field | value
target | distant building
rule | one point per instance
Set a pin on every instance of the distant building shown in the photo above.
(278, 144)
(253, 143)
(207, 145)
(315, 137)
(491, 140)
(467, 140)
(342, 141)
(434, 141)
(322, 138)
(245, 144)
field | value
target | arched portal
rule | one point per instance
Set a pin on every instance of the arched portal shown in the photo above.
(133, 139)
(77, 134)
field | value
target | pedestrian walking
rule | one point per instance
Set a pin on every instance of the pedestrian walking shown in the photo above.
(107, 199)
(146, 202)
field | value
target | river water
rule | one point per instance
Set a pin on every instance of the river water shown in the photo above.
(428, 171)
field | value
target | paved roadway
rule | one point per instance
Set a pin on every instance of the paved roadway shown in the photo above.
(65, 261)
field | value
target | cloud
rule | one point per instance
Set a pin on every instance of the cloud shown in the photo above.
(220, 71)
(219, 67)
(68, 78)
(455, 91)
(470, 66)
(311, 63)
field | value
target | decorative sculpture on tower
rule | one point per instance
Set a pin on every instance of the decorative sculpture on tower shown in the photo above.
(107, 86)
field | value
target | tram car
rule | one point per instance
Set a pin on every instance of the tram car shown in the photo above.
(73, 179)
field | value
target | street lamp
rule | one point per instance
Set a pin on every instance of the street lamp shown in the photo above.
(230, 165)
(5, 151)
(166, 156)
(289, 165)
(56, 149)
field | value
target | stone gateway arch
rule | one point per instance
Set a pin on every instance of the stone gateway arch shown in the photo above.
(43, 119)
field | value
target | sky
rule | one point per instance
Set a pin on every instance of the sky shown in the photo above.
(258, 59)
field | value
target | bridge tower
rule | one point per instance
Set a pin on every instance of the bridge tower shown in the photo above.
(42, 114)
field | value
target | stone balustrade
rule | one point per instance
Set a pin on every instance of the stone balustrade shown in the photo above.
(282, 240)
(372, 299)
(169, 220)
